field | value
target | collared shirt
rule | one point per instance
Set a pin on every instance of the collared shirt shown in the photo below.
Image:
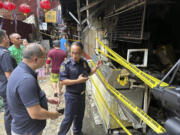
(16, 52)
(7, 64)
(23, 91)
(71, 70)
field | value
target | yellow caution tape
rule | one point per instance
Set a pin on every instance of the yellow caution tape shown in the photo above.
(56, 36)
(148, 79)
(131, 106)
(122, 82)
(47, 34)
(109, 110)
(74, 40)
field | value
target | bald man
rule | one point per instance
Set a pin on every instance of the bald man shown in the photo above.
(16, 49)
(27, 102)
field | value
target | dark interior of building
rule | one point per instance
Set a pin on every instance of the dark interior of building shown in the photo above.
(160, 35)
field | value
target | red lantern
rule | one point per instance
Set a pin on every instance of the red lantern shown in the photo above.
(24, 8)
(9, 5)
(45, 4)
(1, 4)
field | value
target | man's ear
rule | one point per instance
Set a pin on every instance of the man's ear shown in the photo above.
(4, 38)
(12, 40)
(82, 52)
(35, 59)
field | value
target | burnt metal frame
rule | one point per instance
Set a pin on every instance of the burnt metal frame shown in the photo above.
(175, 69)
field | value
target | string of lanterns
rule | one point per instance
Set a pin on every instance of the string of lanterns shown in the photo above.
(24, 8)
(45, 4)
(1, 4)
(9, 6)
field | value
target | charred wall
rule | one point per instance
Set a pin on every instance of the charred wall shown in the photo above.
(159, 31)
(163, 25)
(129, 24)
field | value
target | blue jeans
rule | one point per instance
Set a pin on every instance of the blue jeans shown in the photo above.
(74, 112)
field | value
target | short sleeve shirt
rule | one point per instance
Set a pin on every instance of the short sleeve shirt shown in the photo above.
(16, 52)
(7, 64)
(62, 44)
(23, 91)
(71, 70)
(57, 57)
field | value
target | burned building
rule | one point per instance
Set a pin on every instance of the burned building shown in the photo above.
(145, 32)
(128, 24)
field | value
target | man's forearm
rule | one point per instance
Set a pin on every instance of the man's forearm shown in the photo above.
(93, 70)
(43, 114)
(48, 61)
(39, 113)
(70, 82)
(47, 67)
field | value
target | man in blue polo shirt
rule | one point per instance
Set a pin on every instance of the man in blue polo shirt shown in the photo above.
(74, 73)
(27, 102)
(7, 64)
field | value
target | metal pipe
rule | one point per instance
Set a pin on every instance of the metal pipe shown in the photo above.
(177, 63)
(74, 17)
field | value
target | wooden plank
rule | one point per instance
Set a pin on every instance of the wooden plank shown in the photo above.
(94, 18)
(95, 13)
(90, 5)
(126, 7)
(87, 11)
(79, 18)
(92, 14)
(143, 20)
(125, 10)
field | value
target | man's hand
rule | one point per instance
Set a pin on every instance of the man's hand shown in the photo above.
(99, 63)
(55, 115)
(54, 100)
(47, 71)
(82, 79)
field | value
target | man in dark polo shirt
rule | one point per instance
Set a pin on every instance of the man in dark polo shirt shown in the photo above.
(74, 73)
(7, 64)
(27, 102)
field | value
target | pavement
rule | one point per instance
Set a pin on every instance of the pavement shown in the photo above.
(52, 127)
